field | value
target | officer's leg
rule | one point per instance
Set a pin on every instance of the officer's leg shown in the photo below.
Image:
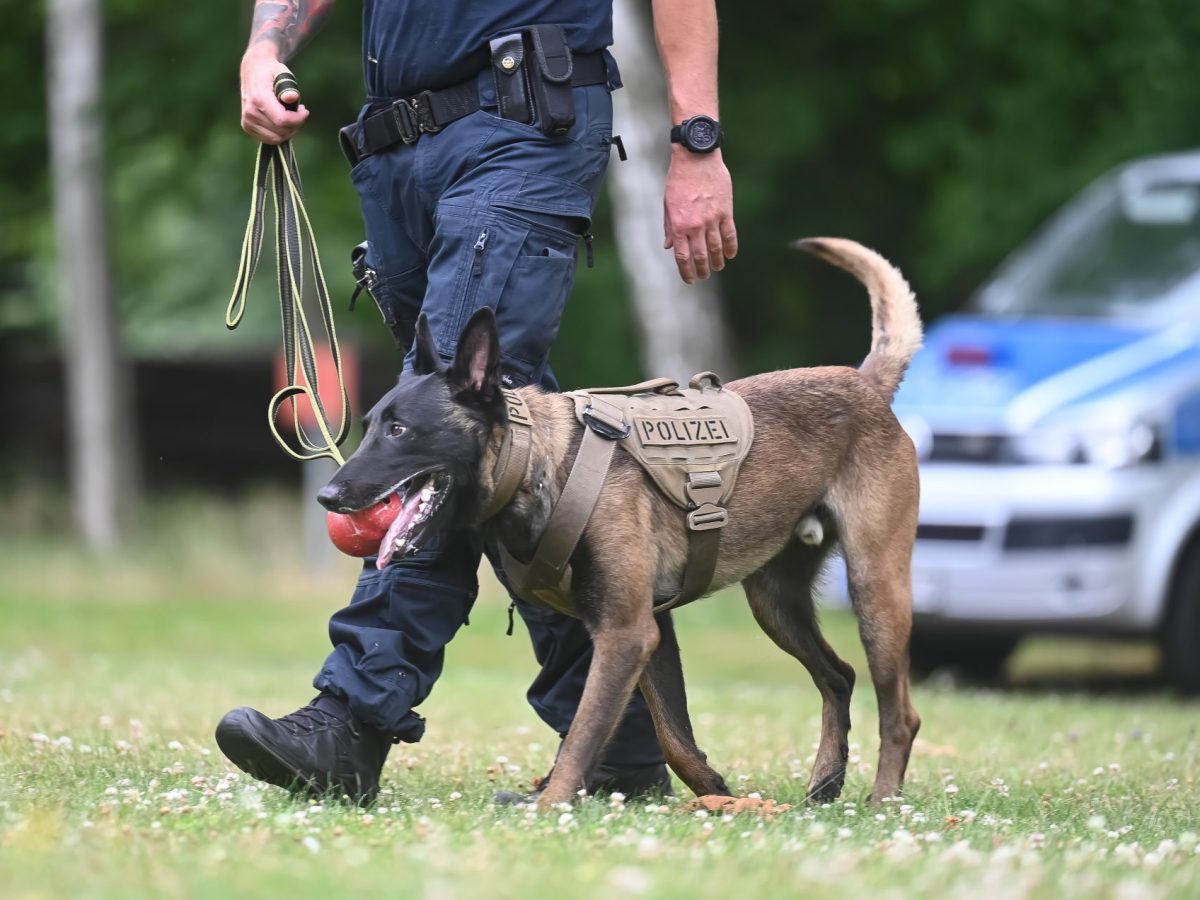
(388, 643)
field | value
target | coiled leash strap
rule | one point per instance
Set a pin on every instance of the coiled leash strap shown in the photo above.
(294, 239)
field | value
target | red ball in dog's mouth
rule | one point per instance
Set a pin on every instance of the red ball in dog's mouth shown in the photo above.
(387, 527)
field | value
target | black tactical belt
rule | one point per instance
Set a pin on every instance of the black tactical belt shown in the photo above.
(430, 111)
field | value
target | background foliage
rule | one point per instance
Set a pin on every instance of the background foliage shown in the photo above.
(939, 131)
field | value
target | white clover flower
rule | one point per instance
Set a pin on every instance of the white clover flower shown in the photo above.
(38, 738)
(174, 745)
(952, 789)
(311, 844)
(845, 832)
(566, 818)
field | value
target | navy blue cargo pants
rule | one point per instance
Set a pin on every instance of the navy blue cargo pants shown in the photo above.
(487, 212)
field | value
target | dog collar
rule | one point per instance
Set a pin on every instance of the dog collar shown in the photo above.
(513, 459)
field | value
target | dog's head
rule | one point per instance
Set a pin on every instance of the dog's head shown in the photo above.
(425, 439)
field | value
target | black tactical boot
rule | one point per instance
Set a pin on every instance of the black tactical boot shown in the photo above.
(319, 749)
(635, 782)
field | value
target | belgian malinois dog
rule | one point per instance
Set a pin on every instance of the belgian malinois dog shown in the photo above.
(827, 449)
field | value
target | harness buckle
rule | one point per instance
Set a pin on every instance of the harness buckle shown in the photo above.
(704, 488)
(406, 121)
(707, 517)
(605, 425)
(422, 106)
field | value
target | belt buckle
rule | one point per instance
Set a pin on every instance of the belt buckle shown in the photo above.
(423, 112)
(406, 122)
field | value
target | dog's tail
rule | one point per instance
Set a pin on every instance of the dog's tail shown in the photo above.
(895, 324)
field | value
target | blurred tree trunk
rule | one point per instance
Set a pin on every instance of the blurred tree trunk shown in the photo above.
(680, 325)
(101, 448)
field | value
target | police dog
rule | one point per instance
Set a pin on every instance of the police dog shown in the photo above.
(826, 447)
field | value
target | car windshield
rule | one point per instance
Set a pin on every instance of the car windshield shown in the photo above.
(1128, 246)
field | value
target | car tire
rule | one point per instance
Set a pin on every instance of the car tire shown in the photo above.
(1181, 634)
(977, 658)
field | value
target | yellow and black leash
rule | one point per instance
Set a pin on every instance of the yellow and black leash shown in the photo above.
(276, 166)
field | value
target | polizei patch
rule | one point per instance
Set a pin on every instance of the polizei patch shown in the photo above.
(661, 431)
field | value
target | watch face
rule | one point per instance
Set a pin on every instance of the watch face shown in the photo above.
(702, 133)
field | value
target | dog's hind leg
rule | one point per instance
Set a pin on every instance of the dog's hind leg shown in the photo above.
(878, 549)
(663, 687)
(780, 596)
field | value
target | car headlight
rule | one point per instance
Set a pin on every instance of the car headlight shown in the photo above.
(1110, 445)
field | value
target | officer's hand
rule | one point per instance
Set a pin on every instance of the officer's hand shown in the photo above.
(263, 116)
(698, 213)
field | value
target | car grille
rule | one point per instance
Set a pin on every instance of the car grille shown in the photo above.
(973, 448)
(1047, 534)
(949, 532)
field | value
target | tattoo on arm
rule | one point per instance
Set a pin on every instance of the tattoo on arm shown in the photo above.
(287, 23)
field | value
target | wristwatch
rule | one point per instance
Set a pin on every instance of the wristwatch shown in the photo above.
(699, 134)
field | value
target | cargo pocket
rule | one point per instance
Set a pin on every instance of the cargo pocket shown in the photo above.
(531, 304)
(521, 263)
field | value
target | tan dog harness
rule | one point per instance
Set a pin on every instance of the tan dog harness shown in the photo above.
(691, 442)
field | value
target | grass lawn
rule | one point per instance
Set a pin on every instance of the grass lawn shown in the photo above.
(1081, 780)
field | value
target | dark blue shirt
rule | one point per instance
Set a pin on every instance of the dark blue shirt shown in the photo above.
(416, 45)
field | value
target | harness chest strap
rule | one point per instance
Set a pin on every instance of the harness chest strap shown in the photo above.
(547, 576)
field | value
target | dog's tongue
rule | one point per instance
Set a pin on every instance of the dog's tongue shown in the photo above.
(408, 510)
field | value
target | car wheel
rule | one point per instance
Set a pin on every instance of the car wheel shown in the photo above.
(1181, 636)
(976, 657)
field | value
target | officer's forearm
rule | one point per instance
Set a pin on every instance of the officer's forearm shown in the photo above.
(284, 25)
(686, 31)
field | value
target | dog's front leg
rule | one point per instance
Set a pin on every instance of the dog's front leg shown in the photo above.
(621, 651)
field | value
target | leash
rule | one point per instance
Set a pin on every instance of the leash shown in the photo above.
(276, 167)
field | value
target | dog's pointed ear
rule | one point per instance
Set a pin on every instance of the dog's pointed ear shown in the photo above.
(476, 365)
(427, 360)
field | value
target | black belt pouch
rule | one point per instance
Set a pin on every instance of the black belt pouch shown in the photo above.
(550, 68)
(508, 70)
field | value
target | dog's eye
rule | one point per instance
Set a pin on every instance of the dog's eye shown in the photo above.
(396, 429)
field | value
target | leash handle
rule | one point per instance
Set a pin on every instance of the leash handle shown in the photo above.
(286, 81)
(276, 169)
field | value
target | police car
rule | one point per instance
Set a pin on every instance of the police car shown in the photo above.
(1058, 426)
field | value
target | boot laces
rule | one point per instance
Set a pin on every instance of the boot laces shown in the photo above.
(309, 718)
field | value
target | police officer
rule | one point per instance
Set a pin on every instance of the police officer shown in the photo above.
(475, 190)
